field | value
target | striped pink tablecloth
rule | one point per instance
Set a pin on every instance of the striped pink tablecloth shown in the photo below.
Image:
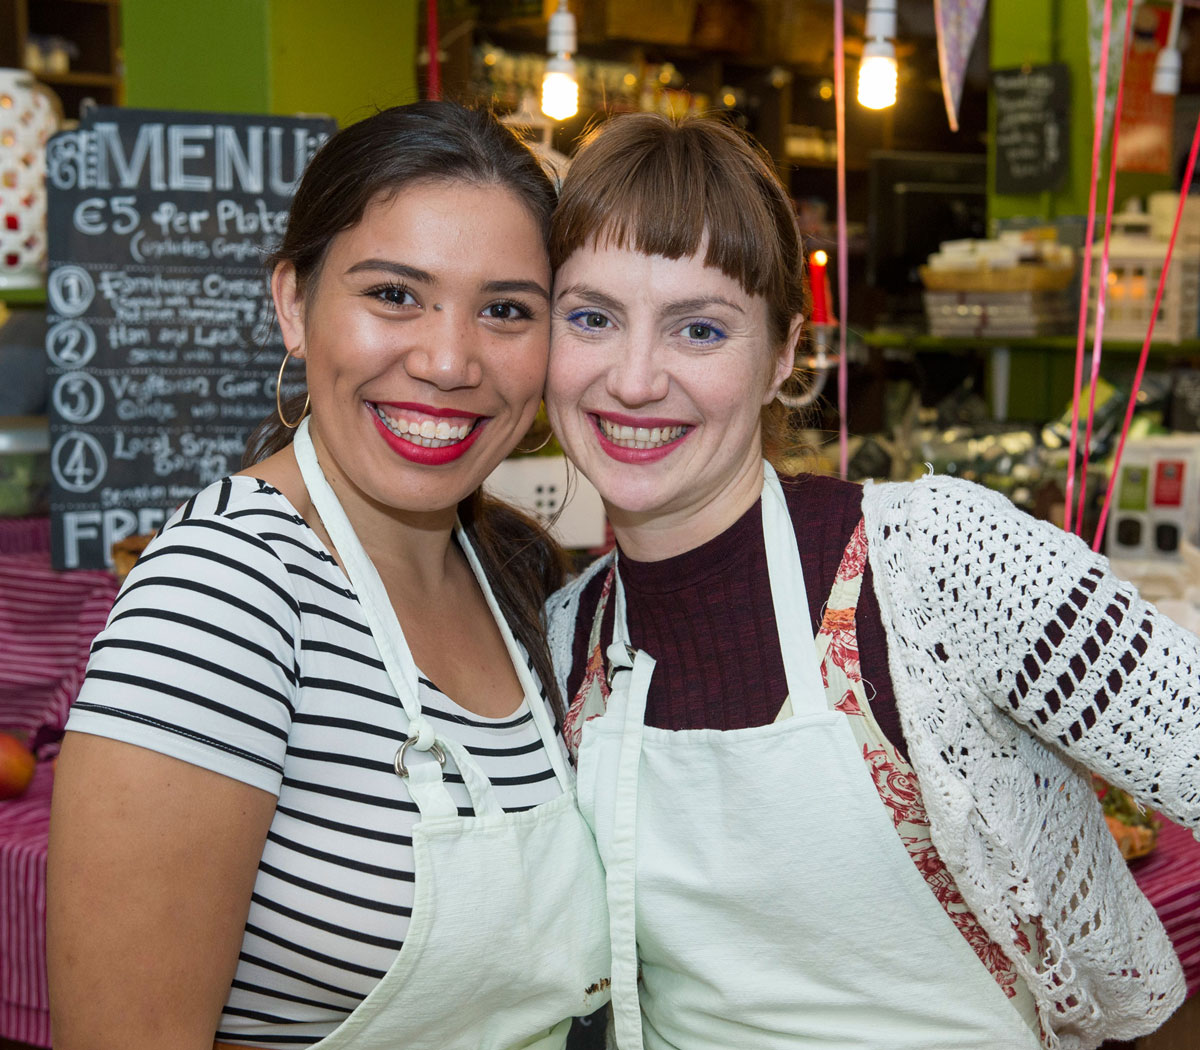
(47, 622)
(24, 826)
(1170, 879)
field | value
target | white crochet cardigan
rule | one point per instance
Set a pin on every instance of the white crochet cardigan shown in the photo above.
(1019, 662)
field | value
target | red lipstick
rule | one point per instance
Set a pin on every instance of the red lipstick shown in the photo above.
(415, 453)
(637, 455)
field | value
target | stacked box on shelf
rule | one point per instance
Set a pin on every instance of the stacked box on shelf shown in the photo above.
(1163, 207)
(1012, 315)
(1134, 267)
(1014, 302)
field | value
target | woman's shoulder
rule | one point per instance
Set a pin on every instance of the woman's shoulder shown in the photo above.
(818, 495)
(958, 519)
(241, 534)
(935, 495)
(253, 504)
(238, 511)
(821, 505)
(200, 654)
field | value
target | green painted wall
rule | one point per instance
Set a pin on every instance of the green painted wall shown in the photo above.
(1042, 31)
(1036, 32)
(209, 55)
(270, 56)
(345, 59)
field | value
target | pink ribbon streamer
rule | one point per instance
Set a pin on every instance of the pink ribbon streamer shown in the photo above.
(1089, 240)
(843, 260)
(1141, 368)
(1102, 292)
(432, 40)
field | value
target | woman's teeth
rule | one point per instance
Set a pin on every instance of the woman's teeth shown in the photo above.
(426, 432)
(640, 437)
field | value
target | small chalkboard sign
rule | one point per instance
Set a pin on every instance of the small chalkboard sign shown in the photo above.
(1183, 404)
(162, 352)
(1032, 136)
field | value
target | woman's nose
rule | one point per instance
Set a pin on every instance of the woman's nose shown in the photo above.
(636, 375)
(447, 354)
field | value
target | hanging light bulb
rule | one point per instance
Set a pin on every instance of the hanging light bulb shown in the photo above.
(1169, 64)
(877, 78)
(560, 88)
(877, 72)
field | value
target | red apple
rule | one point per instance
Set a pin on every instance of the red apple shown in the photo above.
(16, 766)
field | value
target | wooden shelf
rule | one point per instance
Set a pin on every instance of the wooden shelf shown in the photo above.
(93, 30)
(110, 80)
(1057, 344)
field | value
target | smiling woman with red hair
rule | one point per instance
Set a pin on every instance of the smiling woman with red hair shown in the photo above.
(829, 737)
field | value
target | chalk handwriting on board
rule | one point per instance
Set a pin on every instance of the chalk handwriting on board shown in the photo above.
(178, 157)
(77, 397)
(161, 347)
(1032, 113)
(70, 344)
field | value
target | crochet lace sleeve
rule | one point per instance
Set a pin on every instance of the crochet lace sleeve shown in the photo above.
(1025, 618)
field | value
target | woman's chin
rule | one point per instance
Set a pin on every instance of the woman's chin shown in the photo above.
(634, 505)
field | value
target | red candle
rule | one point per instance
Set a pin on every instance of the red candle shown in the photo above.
(816, 284)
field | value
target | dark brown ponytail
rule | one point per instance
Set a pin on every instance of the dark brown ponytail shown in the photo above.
(525, 565)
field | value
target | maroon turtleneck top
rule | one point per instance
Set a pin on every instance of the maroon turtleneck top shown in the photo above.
(707, 618)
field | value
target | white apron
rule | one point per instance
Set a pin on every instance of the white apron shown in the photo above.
(759, 879)
(509, 931)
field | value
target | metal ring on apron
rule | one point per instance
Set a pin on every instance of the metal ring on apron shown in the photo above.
(613, 669)
(402, 769)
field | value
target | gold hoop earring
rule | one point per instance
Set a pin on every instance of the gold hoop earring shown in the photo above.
(279, 396)
(810, 392)
(538, 448)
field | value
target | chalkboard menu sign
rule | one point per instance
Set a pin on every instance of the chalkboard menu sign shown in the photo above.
(1032, 140)
(162, 351)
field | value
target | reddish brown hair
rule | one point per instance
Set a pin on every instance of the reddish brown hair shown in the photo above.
(659, 186)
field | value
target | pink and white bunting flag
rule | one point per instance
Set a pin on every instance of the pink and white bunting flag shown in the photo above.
(957, 25)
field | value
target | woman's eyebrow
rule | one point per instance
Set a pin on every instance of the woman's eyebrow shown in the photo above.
(517, 285)
(687, 306)
(591, 295)
(676, 306)
(412, 273)
(398, 269)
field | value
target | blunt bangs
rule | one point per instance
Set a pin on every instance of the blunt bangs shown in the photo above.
(655, 186)
(649, 184)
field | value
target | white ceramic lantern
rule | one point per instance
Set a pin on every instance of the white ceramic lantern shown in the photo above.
(28, 117)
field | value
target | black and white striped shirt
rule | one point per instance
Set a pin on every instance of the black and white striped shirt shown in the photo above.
(237, 644)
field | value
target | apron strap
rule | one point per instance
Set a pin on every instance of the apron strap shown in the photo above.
(622, 867)
(429, 790)
(806, 690)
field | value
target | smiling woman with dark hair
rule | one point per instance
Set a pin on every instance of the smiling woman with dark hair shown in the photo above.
(313, 792)
(829, 737)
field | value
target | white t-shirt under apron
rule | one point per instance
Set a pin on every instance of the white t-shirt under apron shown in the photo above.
(237, 644)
